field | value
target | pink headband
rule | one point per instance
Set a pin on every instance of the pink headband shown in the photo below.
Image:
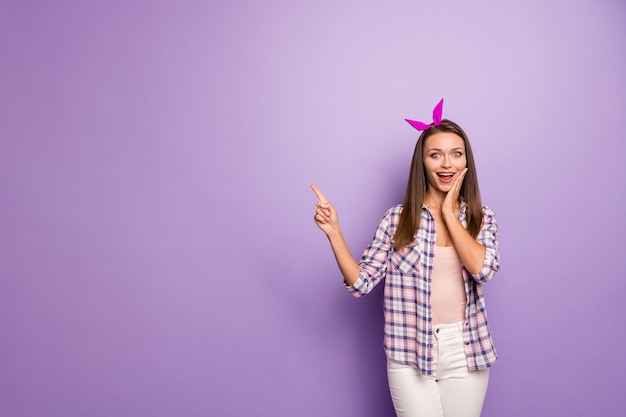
(436, 118)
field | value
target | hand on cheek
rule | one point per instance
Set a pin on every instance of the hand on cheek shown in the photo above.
(451, 202)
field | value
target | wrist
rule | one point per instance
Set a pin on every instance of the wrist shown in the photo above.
(449, 215)
(334, 235)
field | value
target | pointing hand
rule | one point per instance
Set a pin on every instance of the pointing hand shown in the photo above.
(325, 214)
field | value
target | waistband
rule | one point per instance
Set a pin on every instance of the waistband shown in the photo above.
(448, 327)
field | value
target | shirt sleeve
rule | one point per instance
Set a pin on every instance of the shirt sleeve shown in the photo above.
(373, 263)
(488, 237)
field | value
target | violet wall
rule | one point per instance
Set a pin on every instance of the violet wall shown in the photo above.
(157, 251)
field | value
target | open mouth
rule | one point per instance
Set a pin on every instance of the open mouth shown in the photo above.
(445, 176)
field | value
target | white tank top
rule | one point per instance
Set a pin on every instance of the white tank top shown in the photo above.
(447, 296)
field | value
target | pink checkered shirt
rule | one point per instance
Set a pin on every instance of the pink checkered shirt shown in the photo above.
(408, 316)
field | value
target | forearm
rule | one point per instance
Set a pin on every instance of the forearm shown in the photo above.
(471, 252)
(347, 264)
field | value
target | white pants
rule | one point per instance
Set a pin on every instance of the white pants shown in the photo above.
(453, 391)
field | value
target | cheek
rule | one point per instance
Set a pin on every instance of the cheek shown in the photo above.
(430, 164)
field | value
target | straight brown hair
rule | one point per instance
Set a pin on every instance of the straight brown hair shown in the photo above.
(418, 187)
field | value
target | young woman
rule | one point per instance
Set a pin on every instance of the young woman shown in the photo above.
(435, 251)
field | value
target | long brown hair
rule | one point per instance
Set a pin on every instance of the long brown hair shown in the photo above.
(418, 186)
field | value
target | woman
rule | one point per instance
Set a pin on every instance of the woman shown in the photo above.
(435, 251)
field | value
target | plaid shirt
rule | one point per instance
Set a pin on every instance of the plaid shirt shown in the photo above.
(408, 315)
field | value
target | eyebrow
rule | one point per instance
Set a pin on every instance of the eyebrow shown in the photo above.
(440, 150)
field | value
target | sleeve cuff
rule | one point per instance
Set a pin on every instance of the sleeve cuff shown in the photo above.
(355, 289)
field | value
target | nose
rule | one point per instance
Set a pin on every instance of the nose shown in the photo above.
(446, 161)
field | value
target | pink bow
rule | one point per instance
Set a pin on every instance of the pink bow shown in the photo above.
(436, 118)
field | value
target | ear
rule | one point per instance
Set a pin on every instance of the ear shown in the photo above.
(418, 125)
(437, 112)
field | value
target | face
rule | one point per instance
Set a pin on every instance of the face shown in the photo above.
(444, 160)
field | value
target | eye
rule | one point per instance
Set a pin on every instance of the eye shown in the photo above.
(434, 155)
(458, 154)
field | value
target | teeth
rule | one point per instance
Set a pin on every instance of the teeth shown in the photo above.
(446, 175)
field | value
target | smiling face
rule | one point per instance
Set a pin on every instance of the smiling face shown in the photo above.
(444, 160)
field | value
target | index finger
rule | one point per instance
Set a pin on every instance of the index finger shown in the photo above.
(319, 194)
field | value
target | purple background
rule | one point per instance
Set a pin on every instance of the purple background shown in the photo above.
(158, 255)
